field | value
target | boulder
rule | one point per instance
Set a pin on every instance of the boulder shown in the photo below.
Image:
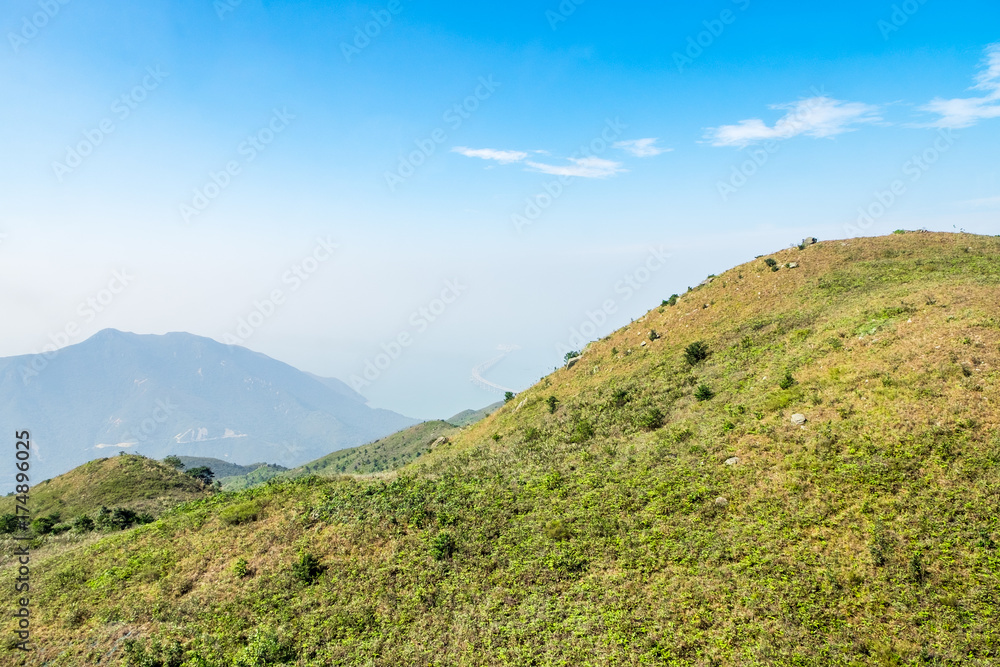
(809, 240)
(798, 419)
(732, 461)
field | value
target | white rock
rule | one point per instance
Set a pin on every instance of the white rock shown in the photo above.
(732, 461)
(798, 419)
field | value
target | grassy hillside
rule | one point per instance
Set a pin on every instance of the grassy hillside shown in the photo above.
(662, 509)
(223, 469)
(135, 482)
(389, 453)
(469, 417)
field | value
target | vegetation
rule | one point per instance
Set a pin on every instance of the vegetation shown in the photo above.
(727, 536)
(696, 352)
(202, 473)
(134, 481)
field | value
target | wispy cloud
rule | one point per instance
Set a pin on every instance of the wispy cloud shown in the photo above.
(586, 167)
(642, 147)
(503, 157)
(819, 116)
(967, 111)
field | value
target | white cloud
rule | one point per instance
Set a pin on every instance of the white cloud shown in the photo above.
(815, 117)
(642, 147)
(503, 157)
(967, 111)
(585, 167)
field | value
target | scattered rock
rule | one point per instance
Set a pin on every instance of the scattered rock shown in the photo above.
(809, 241)
(721, 502)
(642, 344)
(440, 441)
(793, 265)
(572, 362)
(732, 461)
(798, 419)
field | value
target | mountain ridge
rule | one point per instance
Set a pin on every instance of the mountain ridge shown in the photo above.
(179, 394)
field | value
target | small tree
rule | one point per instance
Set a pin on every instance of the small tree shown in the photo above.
(174, 461)
(788, 381)
(508, 396)
(552, 401)
(704, 393)
(696, 352)
(203, 473)
(307, 568)
(83, 524)
(8, 523)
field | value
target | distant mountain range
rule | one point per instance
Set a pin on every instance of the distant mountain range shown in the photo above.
(177, 394)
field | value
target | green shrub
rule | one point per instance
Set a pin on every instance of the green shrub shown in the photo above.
(557, 530)
(704, 393)
(651, 419)
(696, 352)
(532, 434)
(508, 396)
(307, 568)
(174, 462)
(672, 301)
(43, 525)
(240, 513)
(241, 568)
(552, 401)
(788, 381)
(137, 654)
(264, 648)
(8, 524)
(582, 431)
(443, 545)
(653, 335)
(203, 473)
(771, 263)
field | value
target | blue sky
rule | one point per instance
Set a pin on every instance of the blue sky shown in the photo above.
(215, 150)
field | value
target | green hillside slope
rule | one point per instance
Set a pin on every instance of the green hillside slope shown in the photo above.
(469, 417)
(223, 469)
(136, 482)
(655, 504)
